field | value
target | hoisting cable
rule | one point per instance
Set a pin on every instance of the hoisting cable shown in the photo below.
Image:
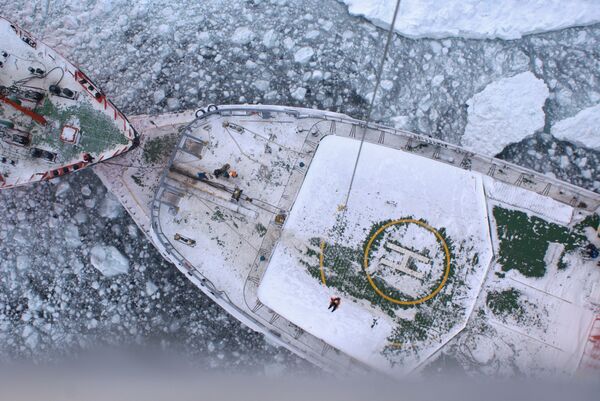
(370, 109)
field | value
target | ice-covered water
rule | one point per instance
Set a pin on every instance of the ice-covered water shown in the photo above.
(54, 302)
(504, 19)
(156, 56)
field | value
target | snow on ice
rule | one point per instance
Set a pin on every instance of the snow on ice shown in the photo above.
(506, 111)
(71, 234)
(110, 207)
(270, 38)
(299, 93)
(583, 128)
(242, 35)
(504, 19)
(151, 288)
(108, 260)
(62, 188)
(86, 190)
(159, 95)
(303, 55)
(23, 262)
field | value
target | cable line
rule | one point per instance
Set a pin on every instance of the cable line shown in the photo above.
(344, 205)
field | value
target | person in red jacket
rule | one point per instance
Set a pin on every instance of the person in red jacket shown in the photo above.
(334, 302)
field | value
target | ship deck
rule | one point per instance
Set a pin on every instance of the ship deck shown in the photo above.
(230, 248)
(53, 119)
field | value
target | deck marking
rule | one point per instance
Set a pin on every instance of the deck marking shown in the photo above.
(366, 262)
(399, 301)
(321, 257)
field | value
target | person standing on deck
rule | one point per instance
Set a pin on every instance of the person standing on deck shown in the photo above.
(223, 171)
(334, 303)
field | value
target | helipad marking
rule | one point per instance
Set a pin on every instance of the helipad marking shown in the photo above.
(321, 262)
(366, 262)
(399, 301)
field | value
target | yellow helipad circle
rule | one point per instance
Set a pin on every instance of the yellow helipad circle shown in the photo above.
(399, 301)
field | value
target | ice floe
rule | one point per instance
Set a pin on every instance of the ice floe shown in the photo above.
(504, 19)
(506, 111)
(583, 128)
(108, 260)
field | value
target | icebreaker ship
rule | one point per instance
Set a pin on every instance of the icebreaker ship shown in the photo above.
(53, 119)
(431, 248)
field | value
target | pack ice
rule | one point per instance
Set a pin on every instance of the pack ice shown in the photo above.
(503, 19)
(108, 260)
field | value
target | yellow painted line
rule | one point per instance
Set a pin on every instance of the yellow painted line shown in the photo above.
(321, 257)
(399, 301)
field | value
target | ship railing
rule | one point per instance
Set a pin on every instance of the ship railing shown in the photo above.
(510, 173)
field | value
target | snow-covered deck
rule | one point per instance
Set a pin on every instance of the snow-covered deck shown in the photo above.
(389, 184)
(272, 148)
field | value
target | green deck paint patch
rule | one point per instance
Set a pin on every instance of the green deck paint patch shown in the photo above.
(98, 133)
(505, 302)
(512, 304)
(261, 229)
(524, 240)
(592, 221)
(137, 180)
(344, 273)
(217, 215)
(158, 148)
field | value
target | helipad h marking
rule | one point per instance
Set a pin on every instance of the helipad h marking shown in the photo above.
(400, 301)
(321, 256)
(407, 255)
